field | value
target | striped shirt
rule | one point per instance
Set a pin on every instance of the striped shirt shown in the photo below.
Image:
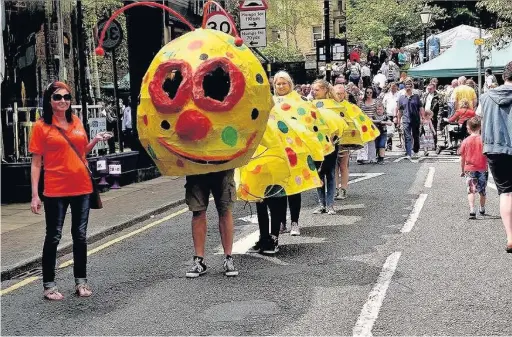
(369, 109)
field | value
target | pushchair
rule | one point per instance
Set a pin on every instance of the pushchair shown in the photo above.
(454, 134)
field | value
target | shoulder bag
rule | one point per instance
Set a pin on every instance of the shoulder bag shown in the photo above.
(95, 199)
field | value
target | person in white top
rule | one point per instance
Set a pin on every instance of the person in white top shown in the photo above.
(380, 80)
(490, 79)
(366, 75)
(127, 123)
(390, 99)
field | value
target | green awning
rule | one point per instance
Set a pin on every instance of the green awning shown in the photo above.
(461, 60)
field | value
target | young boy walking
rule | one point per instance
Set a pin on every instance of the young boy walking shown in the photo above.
(474, 166)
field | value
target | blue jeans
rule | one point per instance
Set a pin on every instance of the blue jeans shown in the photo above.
(411, 137)
(55, 212)
(327, 175)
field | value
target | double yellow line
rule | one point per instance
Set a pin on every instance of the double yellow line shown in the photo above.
(68, 263)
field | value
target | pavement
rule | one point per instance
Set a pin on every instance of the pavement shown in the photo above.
(399, 258)
(22, 232)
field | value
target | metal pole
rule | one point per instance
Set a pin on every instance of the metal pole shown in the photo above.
(81, 59)
(116, 97)
(425, 44)
(327, 39)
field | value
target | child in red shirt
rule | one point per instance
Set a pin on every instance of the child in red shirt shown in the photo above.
(474, 166)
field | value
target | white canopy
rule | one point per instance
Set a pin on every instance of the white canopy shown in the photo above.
(449, 37)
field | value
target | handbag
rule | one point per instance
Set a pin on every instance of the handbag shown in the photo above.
(95, 199)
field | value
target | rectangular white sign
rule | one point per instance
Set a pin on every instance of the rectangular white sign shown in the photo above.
(254, 37)
(253, 20)
(98, 125)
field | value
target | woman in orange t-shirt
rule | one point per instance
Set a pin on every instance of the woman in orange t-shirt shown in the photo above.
(67, 183)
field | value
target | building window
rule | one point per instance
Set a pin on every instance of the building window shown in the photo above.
(341, 6)
(317, 34)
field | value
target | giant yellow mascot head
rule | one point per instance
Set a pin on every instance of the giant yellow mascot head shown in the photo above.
(204, 103)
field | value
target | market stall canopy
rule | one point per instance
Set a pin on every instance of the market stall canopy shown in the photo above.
(461, 60)
(449, 37)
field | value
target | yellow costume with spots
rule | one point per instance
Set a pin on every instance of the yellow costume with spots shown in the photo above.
(204, 104)
(283, 164)
(360, 129)
(295, 106)
(336, 124)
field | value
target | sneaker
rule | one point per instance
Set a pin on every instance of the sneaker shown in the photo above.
(198, 269)
(295, 228)
(319, 210)
(342, 194)
(415, 155)
(256, 248)
(482, 211)
(271, 246)
(472, 216)
(283, 229)
(229, 266)
(331, 211)
(337, 193)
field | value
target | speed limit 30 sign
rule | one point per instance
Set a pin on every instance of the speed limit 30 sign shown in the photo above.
(219, 21)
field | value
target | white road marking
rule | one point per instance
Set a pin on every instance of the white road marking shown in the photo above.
(413, 217)
(363, 176)
(346, 207)
(242, 246)
(430, 177)
(399, 159)
(371, 308)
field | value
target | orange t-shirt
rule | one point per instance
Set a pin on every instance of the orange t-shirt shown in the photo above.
(64, 173)
(472, 150)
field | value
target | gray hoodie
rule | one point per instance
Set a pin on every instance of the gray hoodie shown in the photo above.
(497, 120)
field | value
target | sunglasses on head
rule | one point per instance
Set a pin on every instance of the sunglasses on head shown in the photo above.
(58, 97)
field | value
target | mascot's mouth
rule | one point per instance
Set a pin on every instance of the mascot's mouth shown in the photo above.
(208, 160)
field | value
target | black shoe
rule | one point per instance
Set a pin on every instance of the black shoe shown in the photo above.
(198, 269)
(256, 248)
(482, 211)
(229, 266)
(271, 246)
(472, 216)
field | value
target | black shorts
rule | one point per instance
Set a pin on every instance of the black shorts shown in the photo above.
(500, 165)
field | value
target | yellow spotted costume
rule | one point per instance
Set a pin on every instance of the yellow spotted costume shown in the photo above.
(204, 104)
(360, 129)
(283, 164)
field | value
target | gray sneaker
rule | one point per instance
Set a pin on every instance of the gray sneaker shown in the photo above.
(331, 211)
(229, 266)
(283, 229)
(342, 194)
(295, 231)
(319, 210)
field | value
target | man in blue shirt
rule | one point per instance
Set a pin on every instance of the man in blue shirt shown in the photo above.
(409, 111)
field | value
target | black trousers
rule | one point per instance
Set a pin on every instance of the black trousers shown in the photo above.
(55, 212)
(277, 206)
(294, 201)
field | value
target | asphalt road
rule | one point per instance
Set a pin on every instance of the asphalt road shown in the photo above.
(354, 273)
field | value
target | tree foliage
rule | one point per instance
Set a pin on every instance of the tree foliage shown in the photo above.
(381, 23)
(502, 35)
(287, 17)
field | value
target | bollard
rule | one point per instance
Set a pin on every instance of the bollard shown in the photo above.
(114, 169)
(101, 168)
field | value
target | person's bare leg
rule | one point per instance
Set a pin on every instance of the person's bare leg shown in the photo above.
(483, 198)
(471, 200)
(344, 170)
(506, 215)
(382, 153)
(199, 232)
(226, 229)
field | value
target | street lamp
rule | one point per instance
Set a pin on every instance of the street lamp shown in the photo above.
(426, 16)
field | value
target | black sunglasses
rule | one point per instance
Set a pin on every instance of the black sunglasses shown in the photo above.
(58, 97)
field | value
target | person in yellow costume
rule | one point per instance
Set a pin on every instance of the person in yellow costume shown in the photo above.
(282, 166)
(204, 107)
(290, 104)
(324, 95)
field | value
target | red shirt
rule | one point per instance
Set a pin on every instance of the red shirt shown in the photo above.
(64, 173)
(355, 56)
(472, 151)
(462, 115)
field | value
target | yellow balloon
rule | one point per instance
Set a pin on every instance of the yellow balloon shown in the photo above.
(298, 107)
(204, 104)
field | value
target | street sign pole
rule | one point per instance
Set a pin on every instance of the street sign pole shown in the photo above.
(327, 39)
